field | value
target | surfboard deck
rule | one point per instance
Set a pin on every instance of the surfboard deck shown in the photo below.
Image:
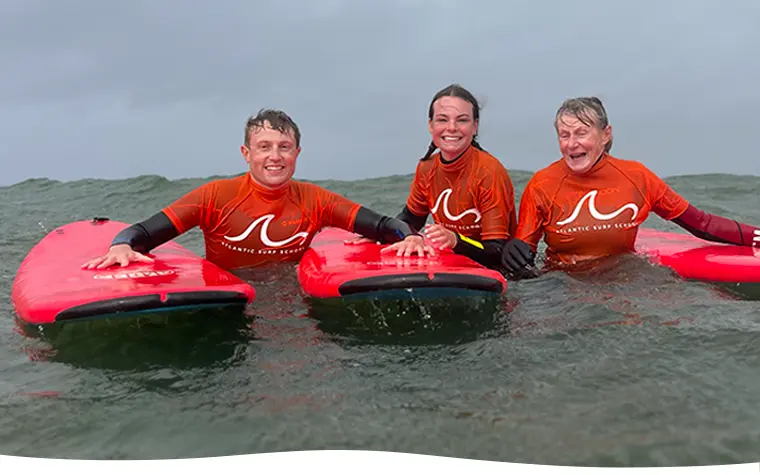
(51, 286)
(694, 258)
(330, 268)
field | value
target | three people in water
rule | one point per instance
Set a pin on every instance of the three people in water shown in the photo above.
(586, 205)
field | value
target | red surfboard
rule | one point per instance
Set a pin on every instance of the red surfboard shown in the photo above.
(694, 258)
(51, 286)
(330, 268)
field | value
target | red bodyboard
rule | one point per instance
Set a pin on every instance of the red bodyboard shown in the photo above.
(331, 268)
(51, 285)
(694, 258)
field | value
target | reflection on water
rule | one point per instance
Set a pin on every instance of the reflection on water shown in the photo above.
(623, 290)
(400, 318)
(740, 290)
(425, 316)
(567, 368)
(179, 340)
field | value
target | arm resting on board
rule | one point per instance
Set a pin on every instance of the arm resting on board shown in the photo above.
(381, 228)
(413, 220)
(146, 235)
(717, 229)
(487, 253)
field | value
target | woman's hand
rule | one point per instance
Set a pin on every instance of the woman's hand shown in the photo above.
(440, 237)
(410, 246)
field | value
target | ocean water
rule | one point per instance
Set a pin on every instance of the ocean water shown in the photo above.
(629, 366)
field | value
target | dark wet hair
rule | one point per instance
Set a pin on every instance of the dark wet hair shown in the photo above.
(278, 120)
(454, 90)
(589, 110)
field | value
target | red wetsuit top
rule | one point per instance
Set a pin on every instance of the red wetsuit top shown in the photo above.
(590, 216)
(247, 225)
(472, 196)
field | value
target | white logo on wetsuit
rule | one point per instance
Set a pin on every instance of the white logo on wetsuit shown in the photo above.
(266, 219)
(444, 196)
(591, 197)
(756, 238)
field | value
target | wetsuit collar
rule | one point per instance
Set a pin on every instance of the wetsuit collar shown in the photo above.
(268, 193)
(599, 163)
(459, 162)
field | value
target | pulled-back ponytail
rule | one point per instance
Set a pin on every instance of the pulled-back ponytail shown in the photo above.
(431, 150)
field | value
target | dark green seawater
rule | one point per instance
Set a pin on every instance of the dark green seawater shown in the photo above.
(627, 366)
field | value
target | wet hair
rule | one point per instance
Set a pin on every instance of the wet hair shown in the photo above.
(454, 90)
(589, 110)
(278, 120)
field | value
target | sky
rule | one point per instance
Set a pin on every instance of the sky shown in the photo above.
(93, 89)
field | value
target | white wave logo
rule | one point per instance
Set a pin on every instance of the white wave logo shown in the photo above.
(591, 197)
(266, 219)
(756, 238)
(444, 197)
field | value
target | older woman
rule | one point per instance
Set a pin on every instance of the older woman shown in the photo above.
(589, 205)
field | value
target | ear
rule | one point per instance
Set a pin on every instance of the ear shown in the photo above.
(430, 126)
(246, 152)
(477, 124)
(607, 134)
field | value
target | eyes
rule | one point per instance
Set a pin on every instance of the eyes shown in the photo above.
(461, 119)
(268, 146)
(580, 134)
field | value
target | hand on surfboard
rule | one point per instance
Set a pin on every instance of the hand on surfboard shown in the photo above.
(440, 237)
(121, 254)
(358, 240)
(410, 246)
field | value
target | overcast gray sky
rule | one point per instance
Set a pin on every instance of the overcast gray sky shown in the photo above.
(116, 89)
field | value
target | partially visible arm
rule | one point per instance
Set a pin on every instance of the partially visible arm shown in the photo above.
(530, 226)
(673, 207)
(180, 216)
(519, 253)
(381, 228)
(416, 208)
(415, 221)
(131, 243)
(487, 253)
(717, 228)
(508, 256)
(148, 234)
(337, 210)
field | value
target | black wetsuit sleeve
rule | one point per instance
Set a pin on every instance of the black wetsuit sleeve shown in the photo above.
(148, 234)
(413, 220)
(381, 228)
(487, 252)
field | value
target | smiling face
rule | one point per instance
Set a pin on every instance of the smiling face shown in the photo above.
(271, 155)
(452, 126)
(581, 143)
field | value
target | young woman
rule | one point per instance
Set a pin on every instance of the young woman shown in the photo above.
(467, 190)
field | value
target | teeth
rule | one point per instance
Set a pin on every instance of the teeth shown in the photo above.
(450, 139)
